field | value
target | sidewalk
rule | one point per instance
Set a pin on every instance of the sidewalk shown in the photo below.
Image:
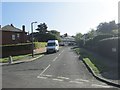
(37, 54)
(109, 73)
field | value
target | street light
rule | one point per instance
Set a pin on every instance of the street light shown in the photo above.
(32, 38)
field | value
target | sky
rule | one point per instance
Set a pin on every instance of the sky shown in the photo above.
(66, 17)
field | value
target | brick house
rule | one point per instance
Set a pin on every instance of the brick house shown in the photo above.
(13, 35)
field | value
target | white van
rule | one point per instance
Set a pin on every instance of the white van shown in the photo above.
(52, 46)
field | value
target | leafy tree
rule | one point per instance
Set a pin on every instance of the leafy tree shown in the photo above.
(55, 32)
(107, 27)
(42, 28)
(78, 36)
(91, 34)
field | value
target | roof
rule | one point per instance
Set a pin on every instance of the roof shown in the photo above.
(11, 28)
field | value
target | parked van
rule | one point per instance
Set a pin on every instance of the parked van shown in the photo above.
(52, 46)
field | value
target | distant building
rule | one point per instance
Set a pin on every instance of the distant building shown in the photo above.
(13, 35)
(66, 40)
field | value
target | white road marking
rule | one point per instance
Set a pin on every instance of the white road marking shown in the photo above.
(82, 80)
(55, 59)
(47, 75)
(75, 82)
(44, 70)
(100, 86)
(41, 77)
(62, 77)
(58, 79)
(62, 51)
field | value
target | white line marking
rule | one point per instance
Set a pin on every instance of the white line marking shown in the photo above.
(57, 79)
(82, 80)
(55, 59)
(75, 82)
(62, 77)
(47, 75)
(62, 51)
(100, 86)
(45, 69)
(42, 77)
(36, 58)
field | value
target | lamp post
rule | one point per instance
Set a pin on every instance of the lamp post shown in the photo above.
(32, 38)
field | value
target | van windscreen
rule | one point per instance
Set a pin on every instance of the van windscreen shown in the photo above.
(51, 44)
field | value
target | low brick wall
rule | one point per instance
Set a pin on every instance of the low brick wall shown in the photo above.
(12, 50)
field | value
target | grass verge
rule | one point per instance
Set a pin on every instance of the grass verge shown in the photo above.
(93, 67)
(15, 58)
(89, 60)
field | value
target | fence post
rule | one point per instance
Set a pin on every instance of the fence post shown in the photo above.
(10, 60)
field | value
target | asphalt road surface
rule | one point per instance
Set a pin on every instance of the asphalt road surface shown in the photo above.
(58, 70)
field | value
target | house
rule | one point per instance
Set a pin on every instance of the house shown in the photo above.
(67, 40)
(13, 35)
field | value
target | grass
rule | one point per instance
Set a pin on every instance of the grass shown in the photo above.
(40, 44)
(15, 58)
(94, 68)
(90, 60)
(18, 57)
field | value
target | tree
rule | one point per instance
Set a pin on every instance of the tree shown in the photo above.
(78, 36)
(107, 27)
(55, 32)
(91, 34)
(42, 28)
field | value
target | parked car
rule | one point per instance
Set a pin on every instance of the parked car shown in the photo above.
(52, 46)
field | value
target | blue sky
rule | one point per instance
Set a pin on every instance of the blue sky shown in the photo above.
(66, 17)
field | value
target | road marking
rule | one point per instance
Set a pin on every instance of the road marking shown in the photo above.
(82, 80)
(44, 70)
(62, 77)
(41, 77)
(62, 51)
(55, 59)
(100, 86)
(47, 75)
(58, 79)
(75, 82)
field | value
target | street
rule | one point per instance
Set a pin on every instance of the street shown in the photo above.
(58, 70)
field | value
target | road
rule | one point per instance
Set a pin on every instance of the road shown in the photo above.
(58, 70)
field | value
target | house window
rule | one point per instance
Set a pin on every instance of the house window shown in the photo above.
(13, 37)
(18, 35)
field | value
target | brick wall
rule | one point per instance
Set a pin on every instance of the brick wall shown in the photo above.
(7, 37)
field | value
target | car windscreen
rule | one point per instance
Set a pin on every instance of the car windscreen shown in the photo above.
(51, 44)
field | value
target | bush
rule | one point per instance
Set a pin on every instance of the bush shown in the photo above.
(39, 45)
(105, 47)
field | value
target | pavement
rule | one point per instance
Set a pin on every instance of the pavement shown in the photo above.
(109, 74)
(37, 54)
(58, 70)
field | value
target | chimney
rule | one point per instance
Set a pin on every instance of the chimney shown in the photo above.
(12, 25)
(23, 28)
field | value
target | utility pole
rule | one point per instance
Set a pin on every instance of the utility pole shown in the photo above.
(32, 38)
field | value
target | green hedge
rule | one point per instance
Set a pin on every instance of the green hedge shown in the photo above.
(105, 47)
(39, 45)
(103, 44)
